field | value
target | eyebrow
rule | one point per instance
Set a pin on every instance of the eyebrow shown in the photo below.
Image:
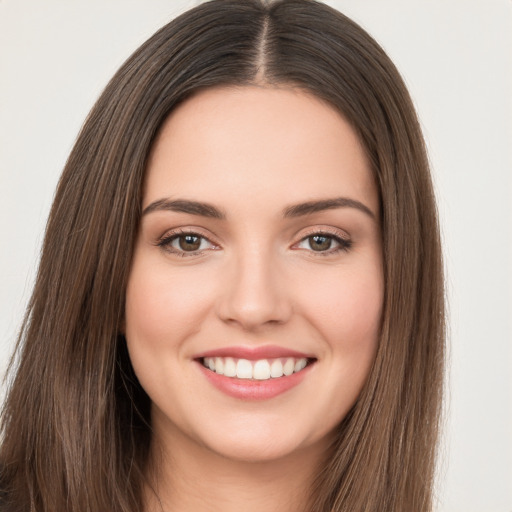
(297, 210)
(311, 207)
(185, 206)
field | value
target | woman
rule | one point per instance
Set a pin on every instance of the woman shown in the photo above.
(240, 302)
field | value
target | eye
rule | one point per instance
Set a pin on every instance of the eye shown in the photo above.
(186, 243)
(324, 243)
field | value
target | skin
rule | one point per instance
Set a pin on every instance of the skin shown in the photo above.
(252, 152)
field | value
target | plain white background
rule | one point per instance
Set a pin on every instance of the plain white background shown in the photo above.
(456, 57)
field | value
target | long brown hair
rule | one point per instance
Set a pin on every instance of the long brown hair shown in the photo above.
(75, 426)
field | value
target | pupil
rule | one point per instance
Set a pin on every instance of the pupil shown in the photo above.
(320, 243)
(189, 242)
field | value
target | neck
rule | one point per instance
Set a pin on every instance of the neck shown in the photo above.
(187, 477)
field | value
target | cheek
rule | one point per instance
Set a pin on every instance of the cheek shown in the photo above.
(158, 300)
(346, 312)
(346, 308)
(163, 307)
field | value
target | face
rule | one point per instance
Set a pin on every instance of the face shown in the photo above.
(254, 300)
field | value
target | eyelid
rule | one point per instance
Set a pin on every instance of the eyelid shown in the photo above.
(323, 230)
(340, 236)
(164, 242)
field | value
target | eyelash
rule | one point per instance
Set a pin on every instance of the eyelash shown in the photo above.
(166, 241)
(343, 243)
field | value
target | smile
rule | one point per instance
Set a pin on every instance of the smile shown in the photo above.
(261, 369)
(255, 373)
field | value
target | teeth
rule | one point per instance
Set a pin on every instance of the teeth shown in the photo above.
(219, 365)
(289, 366)
(229, 367)
(276, 368)
(300, 365)
(244, 369)
(262, 369)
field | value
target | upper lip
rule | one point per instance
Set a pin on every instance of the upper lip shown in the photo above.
(254, 353)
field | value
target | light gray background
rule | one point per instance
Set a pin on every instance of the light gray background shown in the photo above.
(455, 55)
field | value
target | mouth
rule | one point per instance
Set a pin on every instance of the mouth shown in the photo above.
(256, 370)
(255, 373)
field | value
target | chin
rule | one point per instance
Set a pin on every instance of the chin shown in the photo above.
(263, 442)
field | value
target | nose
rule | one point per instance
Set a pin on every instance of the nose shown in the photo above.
(254, 294)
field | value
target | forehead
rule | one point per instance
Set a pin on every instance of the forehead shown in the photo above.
(271, 143)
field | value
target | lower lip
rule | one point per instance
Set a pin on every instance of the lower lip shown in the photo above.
(250, 389)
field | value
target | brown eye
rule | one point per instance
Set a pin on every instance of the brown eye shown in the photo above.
(186, 244)
(324, 243)
(320, 242)
(189, 243)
